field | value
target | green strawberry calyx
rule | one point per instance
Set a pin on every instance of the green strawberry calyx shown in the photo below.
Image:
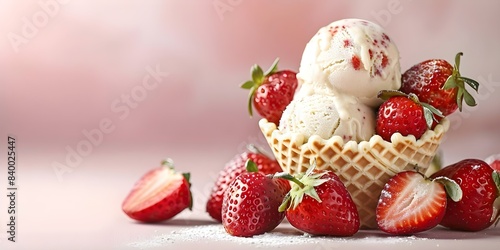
(251, 167)
(452, 188)
(455, 80)
(302, 184)
(429, 110)
(258, 76)
(169, 163)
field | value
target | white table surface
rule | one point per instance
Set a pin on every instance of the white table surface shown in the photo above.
(83, 211)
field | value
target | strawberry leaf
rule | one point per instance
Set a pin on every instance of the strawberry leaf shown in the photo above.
(250, 99)
(257, 74)
(453, 190)
(311, 167)
(469, 100)
(386, 94)
(288, 198)
(187, 176)
(429, 118)
(450, 83)
(455, 80)
(302, 184)
(496, 179)
(285, 204)
(460, 98)
(457, 60)
(471, 82)
(495, 216)
(248, 84)
(429, 112)
(251, 166)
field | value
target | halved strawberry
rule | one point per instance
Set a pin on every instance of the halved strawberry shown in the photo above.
(159, 195)
(411, 203)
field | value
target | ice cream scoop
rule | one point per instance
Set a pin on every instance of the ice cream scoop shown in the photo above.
(350, 57)
(326, 116)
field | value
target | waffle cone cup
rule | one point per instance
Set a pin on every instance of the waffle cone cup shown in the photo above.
(363, 167)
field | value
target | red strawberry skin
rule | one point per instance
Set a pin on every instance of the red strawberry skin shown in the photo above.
(232, 169)
(159, 195)
(399, 114)
(474, 211)
(409, 204)
(251, 202)
(426, 80)
(275, 93)
(335, 215)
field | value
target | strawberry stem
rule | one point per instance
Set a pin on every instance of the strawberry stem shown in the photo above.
(287, 176)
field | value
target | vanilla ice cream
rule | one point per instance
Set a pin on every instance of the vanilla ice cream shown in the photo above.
(350, 57)
(326, 116)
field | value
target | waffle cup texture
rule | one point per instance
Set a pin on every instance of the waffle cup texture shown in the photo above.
(363, 167)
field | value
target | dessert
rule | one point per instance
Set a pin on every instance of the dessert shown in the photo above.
(350, 57)
(348, 62)
(320, 115)
(363, 167)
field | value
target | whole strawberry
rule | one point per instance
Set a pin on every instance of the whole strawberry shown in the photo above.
(159, 195)
(411, 203)
(439, 84)
(270, 92)
(403, 114)
(480, 204)
(234, 168)
(250, 205)
(319, 204)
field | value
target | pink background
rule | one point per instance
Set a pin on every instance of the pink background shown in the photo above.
(85, 55)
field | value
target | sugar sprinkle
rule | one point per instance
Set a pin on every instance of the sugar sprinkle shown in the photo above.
(280, 237)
